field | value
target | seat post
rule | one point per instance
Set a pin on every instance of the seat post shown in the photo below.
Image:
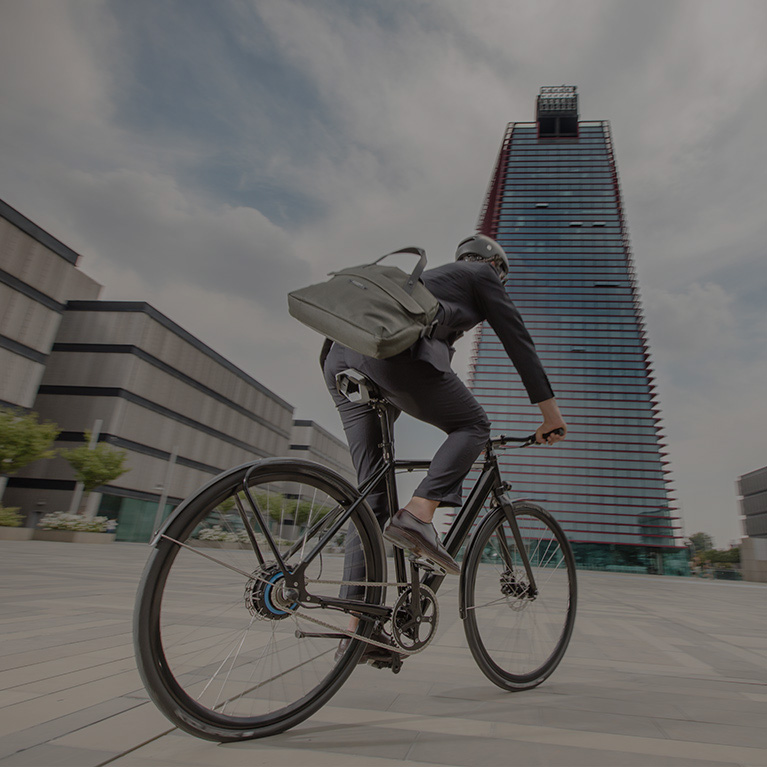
(387, 440)
(387, 451)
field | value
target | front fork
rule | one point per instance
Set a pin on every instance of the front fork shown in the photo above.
(508, 510)
(507, 507)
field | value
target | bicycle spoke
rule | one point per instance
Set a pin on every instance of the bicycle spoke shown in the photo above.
(207, 556)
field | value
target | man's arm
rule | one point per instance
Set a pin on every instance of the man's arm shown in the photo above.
(506, 321)
(508, 325)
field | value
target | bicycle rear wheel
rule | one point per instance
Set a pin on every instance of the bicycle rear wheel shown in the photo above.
(518, 636)
(223, 652)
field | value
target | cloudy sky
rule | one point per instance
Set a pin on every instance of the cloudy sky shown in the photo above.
(208, 156)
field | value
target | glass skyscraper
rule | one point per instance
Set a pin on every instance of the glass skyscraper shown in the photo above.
(554, 203)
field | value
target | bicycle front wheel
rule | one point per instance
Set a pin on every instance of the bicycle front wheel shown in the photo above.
(517, 634)
(224, 651)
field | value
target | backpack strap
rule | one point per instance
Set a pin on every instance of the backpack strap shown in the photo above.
(440, 332)
(419, 267)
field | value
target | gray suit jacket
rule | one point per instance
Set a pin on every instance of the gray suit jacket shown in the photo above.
(470, 292)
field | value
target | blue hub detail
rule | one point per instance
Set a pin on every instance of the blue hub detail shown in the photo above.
(263, 592)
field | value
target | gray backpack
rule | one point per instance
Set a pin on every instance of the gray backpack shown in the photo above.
(378, 311)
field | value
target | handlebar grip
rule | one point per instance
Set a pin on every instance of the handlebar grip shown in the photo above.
(559, 432)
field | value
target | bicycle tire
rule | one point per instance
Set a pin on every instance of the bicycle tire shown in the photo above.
(518, 639)
(200, 626)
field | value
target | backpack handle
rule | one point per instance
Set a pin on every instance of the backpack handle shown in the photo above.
(419, 267)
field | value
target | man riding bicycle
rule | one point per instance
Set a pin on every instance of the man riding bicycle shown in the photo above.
(421, 383)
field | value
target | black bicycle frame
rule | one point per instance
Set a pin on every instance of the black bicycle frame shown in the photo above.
(489, 482)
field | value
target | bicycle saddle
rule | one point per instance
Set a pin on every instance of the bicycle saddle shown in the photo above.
(356, 387)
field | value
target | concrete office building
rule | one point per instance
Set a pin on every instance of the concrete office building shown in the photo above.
(38, 275)
(145, 385)
(753, 503)
(311, 442)
(554, 203)
(181, 411)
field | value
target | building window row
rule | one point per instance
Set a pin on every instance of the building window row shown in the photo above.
(520, 142)
(591, 157)
(559, 175)
(530, 286)
(654, 477)
(566, 309)
(582, 190)
(563, 151)
(561, 218)
(566, 384)
(522, 205)
(567, 256)
(573, 359)
(569, 374)
(515, 237)
(526, 282)
(648, 498)
(605, 329)
(578, 363)
(594, 196)
(581, 422)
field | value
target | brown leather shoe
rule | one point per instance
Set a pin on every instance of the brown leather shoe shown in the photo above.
(408, 532)
(371, 653)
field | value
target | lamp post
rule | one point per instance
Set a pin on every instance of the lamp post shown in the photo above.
(164, 490)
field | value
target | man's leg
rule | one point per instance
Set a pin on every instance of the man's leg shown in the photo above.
(442, 400)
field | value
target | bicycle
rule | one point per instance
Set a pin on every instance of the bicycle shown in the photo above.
(236, 622)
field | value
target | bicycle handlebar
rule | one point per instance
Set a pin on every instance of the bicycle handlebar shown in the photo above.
(503, 440)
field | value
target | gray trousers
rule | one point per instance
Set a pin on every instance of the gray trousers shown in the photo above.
(417, 388)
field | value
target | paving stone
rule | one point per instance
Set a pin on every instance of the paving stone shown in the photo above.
(37, 734)
(61, 756)
(661, 671)
(722, 734)
(122, 732)
(484, 752)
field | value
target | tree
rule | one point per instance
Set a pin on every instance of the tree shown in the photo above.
(23, 439)
(702, 542)
(95, 466)
(721, 556)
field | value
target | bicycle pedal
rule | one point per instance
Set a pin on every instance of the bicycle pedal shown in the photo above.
(427, 564)
(394, 663)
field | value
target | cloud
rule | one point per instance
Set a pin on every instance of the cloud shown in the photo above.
(182, 237)
(710, 370)
(698, 319)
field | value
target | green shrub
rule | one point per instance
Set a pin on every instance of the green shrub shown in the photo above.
(10, 517)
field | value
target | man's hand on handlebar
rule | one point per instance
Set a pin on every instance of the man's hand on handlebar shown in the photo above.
(548, 436)
(553, 429)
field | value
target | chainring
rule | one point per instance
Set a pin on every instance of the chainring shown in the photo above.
(414, 626)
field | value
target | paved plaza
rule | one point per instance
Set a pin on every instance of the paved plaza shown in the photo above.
(661, 671)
